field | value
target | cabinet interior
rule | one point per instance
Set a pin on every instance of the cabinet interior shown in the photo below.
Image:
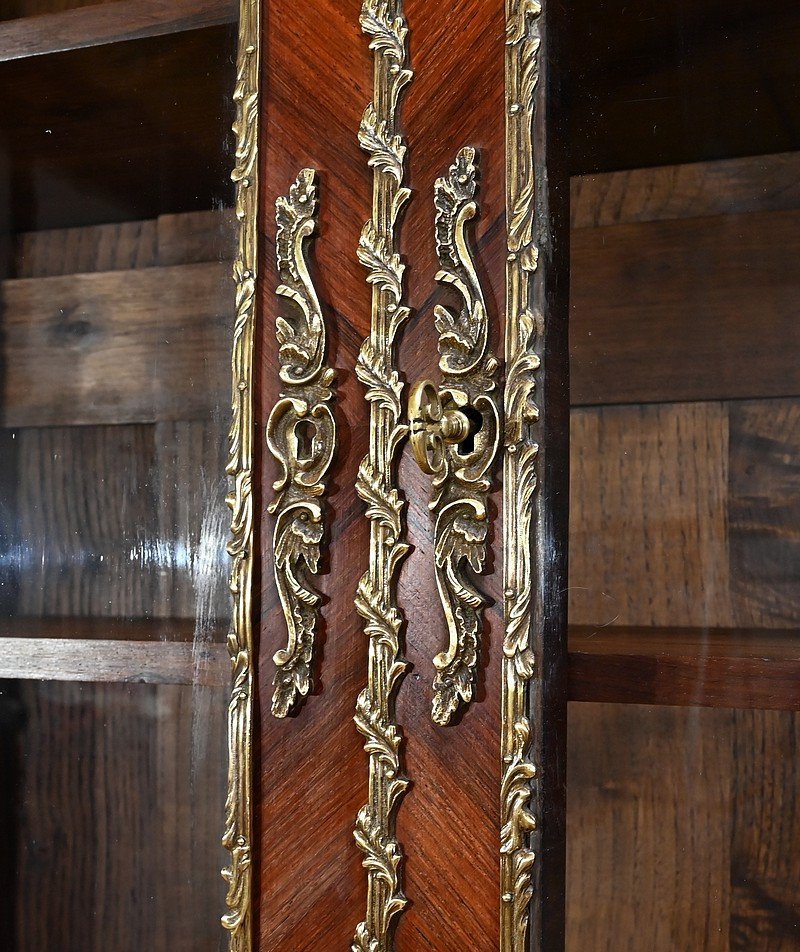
(685, 153)
(117, 312)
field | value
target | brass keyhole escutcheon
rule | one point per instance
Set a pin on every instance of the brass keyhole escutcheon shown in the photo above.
(434, 426)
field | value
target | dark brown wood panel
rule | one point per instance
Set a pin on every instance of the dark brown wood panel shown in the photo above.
(727, 187)
(18, 9)
(712, 667)
(140, 345)
(698, 309)
(119, 132)
(650, 820)
(119, 790)
(652, 83)
(764, 512)
(765, 861)
(82, 25)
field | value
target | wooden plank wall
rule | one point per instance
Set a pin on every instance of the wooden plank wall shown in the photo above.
(125, 519)
(119, 789)
(120, 797)
(684, 827)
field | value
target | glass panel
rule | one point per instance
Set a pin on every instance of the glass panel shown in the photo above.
(684, 829)
(116, 317)
(110, 816)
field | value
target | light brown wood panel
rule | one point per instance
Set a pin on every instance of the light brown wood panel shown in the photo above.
(95, 660)
(692, 309)
(185, 238)
(62, 251)
(730, 186)
(765, 869)
(120, 790)
(648, 521)
(764, 512)
(196, 236)
(117, 346)
(649, 831)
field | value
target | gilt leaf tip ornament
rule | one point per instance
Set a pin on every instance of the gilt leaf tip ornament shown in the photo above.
(381, 138)
(520, 479)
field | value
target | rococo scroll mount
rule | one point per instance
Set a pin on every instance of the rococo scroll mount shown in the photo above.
(301, 435)
(455, 435)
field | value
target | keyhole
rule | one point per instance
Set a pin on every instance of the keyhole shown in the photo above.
(467, 445)
(304, 433)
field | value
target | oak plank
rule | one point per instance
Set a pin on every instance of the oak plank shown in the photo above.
(117, 346)
(649, 833)
(62, 251)
(648, 516)
(730, 186)
(96, 660)
(692, 309)
(765, 860)
(764, 512)
(122, 522)
(117, 827)
(734, 668)
(102, 23)
(192, 237)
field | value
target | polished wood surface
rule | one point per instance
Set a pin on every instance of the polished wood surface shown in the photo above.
(758, 669)
(109, 22)
(311, 886)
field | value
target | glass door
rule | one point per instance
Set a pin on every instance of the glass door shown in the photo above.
(116, 317)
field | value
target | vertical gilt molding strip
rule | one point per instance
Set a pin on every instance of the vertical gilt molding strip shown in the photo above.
(522, 336)
(238, 806)
(304, 402)
(383, 22)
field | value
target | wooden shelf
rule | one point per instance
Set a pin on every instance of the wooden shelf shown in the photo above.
(683, 283)
(691, 667)
(157, 651)
(121, 131)
(104, 23)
